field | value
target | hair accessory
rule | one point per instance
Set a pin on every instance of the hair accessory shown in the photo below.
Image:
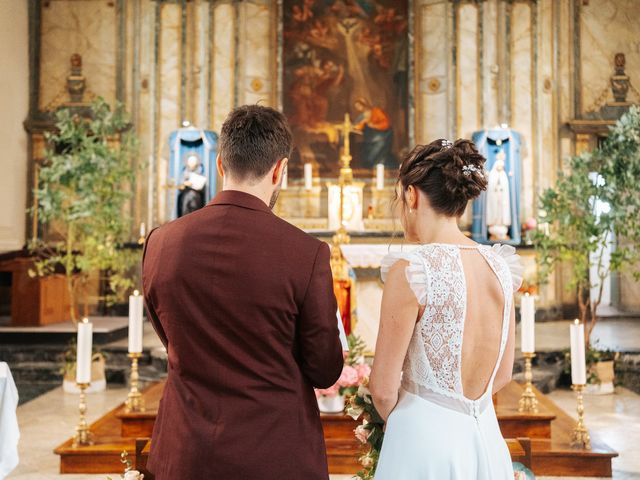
(446, 144)
(469, 169)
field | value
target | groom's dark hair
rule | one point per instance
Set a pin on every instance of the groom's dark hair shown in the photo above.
(253, 138)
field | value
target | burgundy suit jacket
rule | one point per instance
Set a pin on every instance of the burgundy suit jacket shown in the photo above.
(243, 302)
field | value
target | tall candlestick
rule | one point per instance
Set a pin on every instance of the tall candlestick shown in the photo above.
(285, 178)
(380, 176)
(83, 357)
(578, 363)
(135, 322)
(308, 176)
(527, 323)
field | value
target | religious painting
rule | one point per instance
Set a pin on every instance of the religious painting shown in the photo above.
(346, 56)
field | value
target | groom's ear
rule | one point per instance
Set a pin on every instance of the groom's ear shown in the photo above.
(219, 166)
(278, 172)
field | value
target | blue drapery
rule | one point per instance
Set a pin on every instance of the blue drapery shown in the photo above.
(183, 142)
(489, 143)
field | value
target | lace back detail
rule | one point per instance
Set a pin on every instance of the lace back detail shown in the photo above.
(434, 359)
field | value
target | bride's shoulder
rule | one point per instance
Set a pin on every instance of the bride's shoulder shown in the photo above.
(415, 272)
(513, 261)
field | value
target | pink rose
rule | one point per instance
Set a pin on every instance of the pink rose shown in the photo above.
(332, 391)
(362, 434)
(348, 377)
(364, 370)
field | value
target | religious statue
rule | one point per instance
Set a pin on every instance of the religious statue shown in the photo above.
(192, 195)
(496, 212)
(498, 201)
(192, 175)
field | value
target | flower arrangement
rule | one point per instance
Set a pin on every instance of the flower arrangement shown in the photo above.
(354, 372)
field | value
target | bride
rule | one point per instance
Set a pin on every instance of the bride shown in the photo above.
(446, 339)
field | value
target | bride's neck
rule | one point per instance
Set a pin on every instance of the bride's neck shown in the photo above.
(434, 228)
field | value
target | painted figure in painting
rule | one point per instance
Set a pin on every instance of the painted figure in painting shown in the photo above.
(345, 56)
(375, 126)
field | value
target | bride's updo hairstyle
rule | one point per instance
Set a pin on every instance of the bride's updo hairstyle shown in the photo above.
(449, 174)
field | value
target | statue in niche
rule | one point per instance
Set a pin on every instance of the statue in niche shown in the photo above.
(76, 83)
(192, 176)
(620, 80)
(496, 212)
(192, 188)
(498, 201)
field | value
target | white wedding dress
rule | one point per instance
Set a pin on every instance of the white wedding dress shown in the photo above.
(435, 432)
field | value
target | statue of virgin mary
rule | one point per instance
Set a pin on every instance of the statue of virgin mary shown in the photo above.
(498, 201)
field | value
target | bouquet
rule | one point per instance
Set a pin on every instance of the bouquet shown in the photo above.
(370, 432)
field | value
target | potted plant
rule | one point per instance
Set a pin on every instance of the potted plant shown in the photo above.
(594, 205)
(83, 190)
(354, 372)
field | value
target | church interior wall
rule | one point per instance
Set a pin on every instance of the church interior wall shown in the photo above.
(14, 98)
(475, 65)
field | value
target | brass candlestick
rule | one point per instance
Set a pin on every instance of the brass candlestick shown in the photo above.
(580, 437)
(83, 435)
(134, 402)
(528, 401)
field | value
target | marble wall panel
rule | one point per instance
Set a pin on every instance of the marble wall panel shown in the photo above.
(80, 26)
(490, 64)
(200, 66)
(432, 65)
(146, 108)
(169, 83)
(223, 63)
(257, 56)
(521, 98)
(14, 98)
(606, 28)
(468, 111)
(547, 120)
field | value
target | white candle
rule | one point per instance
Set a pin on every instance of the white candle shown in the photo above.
(308, 176)
(285, 178)
(578, 363)
(135, 322)
(83, 357)
(527, 324)
(380, 176)
(143, 230)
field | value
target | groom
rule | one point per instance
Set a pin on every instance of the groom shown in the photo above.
(244, 304)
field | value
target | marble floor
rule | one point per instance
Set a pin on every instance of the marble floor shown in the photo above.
(48, 420)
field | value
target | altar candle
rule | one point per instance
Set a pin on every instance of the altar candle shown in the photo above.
(285, 178)
(380, 176)
(578, 364)
(135, 322)
(143, 230)
(83, 356)
(308, 176)
(527, 324)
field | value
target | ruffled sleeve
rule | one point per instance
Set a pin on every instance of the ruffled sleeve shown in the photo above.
(416, 273)
(513, 261)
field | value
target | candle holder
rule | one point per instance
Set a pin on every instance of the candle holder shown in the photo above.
(528, 402)
(580, 437)
(83, 436)
(134, 402)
